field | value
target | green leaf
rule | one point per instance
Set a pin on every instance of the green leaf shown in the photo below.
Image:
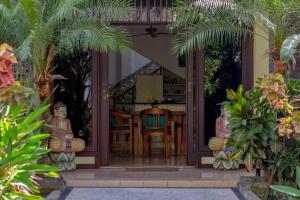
(289, 47)
(298, 176)
(261, 153)
(9, 147)
(275, 146)
(34, 115)
(10, 134)
(28, 196)
(40, 167)
(257, 129)
(237, 156)
(53, 174)
(33, 138)
(248, 161)
(24, 178)
(19, 159)
(17, 111)
(24, 130)
(42, 151)
(287, 190)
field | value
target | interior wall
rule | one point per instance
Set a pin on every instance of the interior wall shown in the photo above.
(148, 87)
(159, 49)
(122, 65)
(132, 62)
(114, 68)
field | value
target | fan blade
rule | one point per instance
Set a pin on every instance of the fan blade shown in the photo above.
(165, 33)
(140, 34)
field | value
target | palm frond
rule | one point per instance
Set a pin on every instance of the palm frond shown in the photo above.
(93, 34)
(7, 23)
(208, 22)
(31, 11)
(39, 26)
(24, 50)
(203, 36)
(60, 11)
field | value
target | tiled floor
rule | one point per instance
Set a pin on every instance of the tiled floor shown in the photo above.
(125, 160)
(150, 194)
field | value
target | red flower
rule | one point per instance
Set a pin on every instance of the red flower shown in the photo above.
(7, 59)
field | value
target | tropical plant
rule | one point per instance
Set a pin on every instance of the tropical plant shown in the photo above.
(274, 90)
(202, 23)
(293, 193)
(209, 22)
(262, 121)
(283, 163)
(20, 149)
(44, 29)
(289, 47)
(252, 124)
(20, 140)
(211, 67)
(293, 88)
(288, 50)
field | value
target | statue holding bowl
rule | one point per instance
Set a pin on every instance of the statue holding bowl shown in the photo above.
(63, 145)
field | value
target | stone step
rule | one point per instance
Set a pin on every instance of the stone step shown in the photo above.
(158, 178)
(152, 183)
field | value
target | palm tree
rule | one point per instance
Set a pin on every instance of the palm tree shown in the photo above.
(203, 22)
(42, 29)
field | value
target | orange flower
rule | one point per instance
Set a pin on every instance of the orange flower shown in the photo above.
(7, 59)
(279, 104)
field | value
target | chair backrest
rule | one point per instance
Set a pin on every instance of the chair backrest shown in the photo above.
(118, 118)
(156, 118)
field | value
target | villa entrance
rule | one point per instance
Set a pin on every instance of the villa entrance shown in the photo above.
(150, 76)
(90, 98)
(147, 77)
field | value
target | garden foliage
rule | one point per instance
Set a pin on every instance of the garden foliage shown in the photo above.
(20, 136)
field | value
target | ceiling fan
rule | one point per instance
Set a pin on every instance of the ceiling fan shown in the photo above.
(152, 31)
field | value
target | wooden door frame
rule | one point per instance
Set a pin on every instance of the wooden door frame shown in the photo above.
(99, 147)
(92, 150)
(100, 104)
(247, 50)
(190, 147)
(195, 145)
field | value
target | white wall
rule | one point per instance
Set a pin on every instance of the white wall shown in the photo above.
(159, 50)
(132, 62)
(120, 66)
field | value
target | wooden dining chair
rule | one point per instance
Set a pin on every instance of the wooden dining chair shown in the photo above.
(156, 122)
(120, 123)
